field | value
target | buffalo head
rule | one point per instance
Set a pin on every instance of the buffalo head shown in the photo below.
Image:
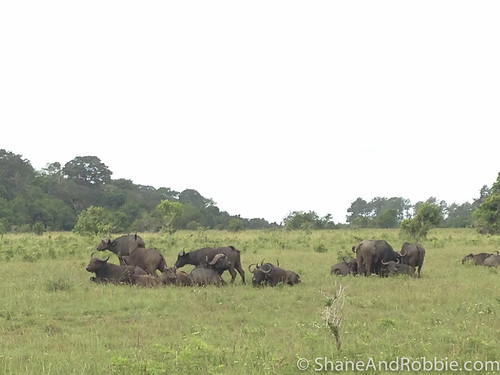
(96, 263)
(182, 259)
(104, 244)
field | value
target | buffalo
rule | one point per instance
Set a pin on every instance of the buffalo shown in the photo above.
(201, 256)
(122, 246)
(209, 272)
(370, 253)
(113, 273)
(269, 274)
(149, 260)
(345, 267)
(492, 261)
(396, 268)
(413, 254)
(478, 259)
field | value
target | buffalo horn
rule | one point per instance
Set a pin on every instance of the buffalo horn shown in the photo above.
(250, 266)
(92, 255)
(277, 262)
(269, 270)
(215, 259)
(384, 263)
(401, 253)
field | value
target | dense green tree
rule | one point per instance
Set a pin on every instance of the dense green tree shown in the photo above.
(171, 213)
(487, 215)
(459, 216)
(427, 216)
(15, 174)
(87, 170)
(379, 212)
(93, 221)
(307, 220)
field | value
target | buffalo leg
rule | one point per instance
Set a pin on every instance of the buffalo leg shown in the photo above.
(233, 273)
(240, 271)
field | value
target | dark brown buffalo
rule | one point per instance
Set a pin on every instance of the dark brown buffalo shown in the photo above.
(477, 258)
(149, 260)
(396, 268)
(203, 275)
(492, 261)
(201, 256)
(112, 273)
(269, 274)
(369, 255)
(344, 268)
(413, 254)
(122, 246)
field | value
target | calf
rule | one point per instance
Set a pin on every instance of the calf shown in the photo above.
(173, 276)
(147, 281)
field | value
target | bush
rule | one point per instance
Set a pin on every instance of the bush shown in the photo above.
(94, 221)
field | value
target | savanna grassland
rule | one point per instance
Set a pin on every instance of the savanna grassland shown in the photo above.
(54, 321)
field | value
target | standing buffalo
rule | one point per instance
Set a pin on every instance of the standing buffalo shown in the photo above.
(108, 272)
(370, 253)
(200, 256)
(269, 274)
(149, 260)
(396, 268)
(492, 261)
(122, 246)
(477, 258)
(413, 254)
(345, 267)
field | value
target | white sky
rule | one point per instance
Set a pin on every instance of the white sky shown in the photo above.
(267, 107)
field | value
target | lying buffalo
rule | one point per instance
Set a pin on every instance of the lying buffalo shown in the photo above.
(149, 260)
(122, 246)
(396, 268)
(113, 273)
(492, 261)
(269, 274)
(477, 258)
(369, 255)
(209, 273)
(201, 256)
(344, 268)
(413, 254)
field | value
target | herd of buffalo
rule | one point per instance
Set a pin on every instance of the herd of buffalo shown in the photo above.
(138, 264)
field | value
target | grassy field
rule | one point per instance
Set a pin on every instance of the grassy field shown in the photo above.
(54, 321)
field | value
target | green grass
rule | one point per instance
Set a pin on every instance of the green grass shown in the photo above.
(54, 321)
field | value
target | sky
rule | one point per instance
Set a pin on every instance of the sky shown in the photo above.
(266, 107)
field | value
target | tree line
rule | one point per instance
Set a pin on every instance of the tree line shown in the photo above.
(57, 197)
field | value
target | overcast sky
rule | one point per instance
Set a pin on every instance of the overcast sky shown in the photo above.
(267, 107)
